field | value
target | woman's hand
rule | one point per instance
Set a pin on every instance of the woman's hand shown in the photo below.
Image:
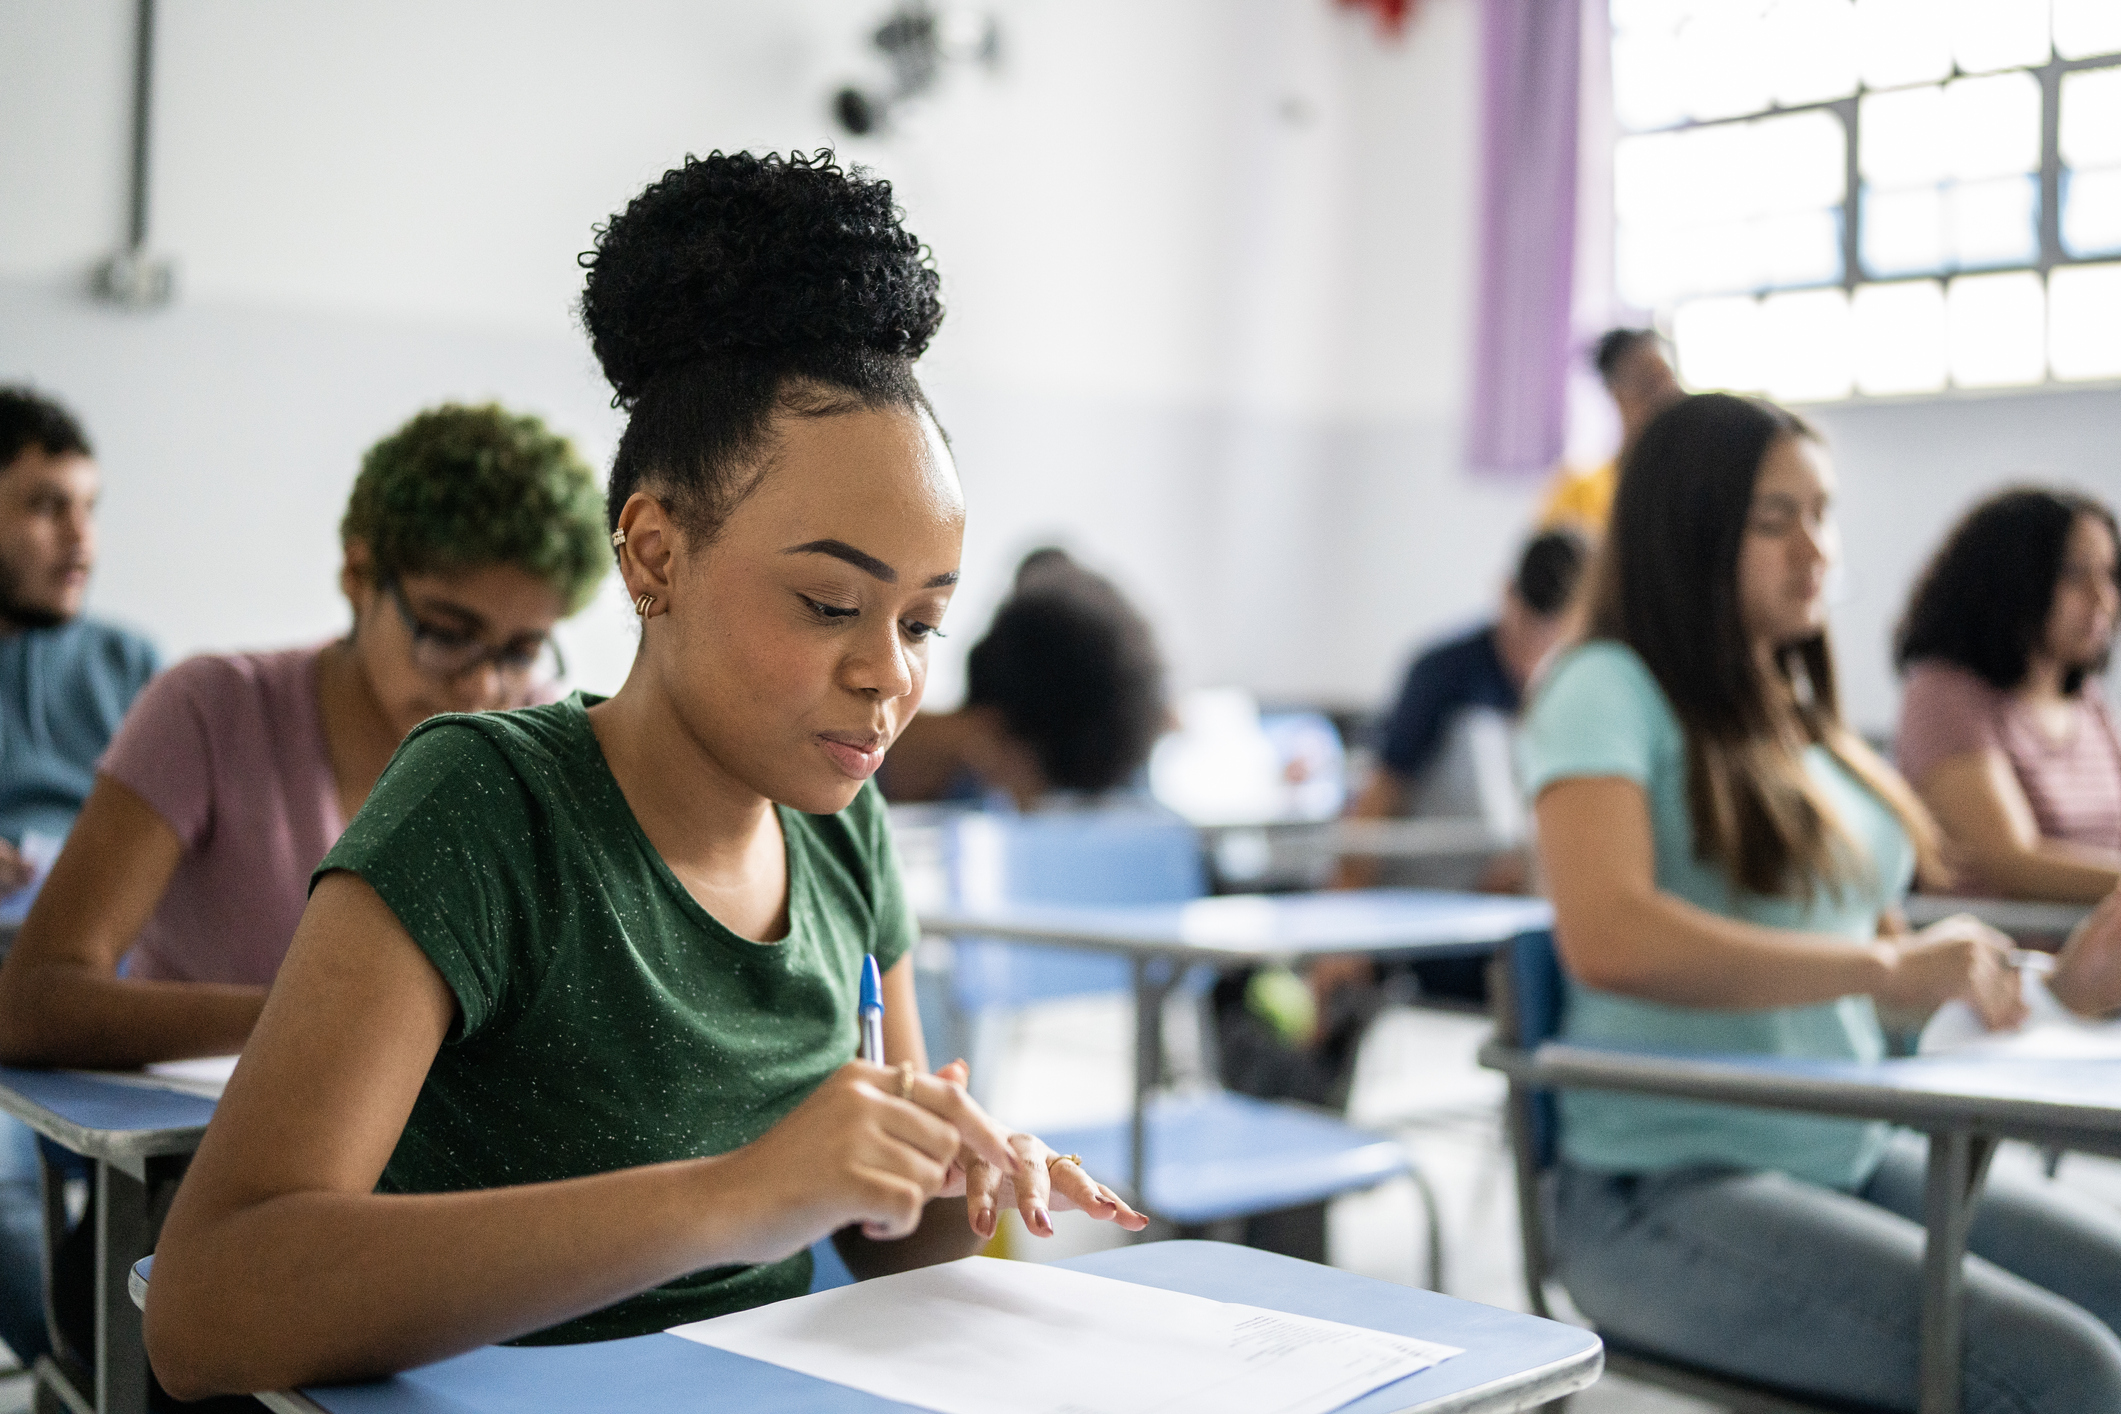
(1032, 1185)
(855, 1151)
(2087, 975)
(1959, 958)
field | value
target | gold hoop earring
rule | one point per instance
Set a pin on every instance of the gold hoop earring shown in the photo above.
(618, 537)
(640, 605)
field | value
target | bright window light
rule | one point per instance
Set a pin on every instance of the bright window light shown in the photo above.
(1719, 343)
(1993, 126)
(1723, 67)
(1903, 231)
(2091, 117)
(1903, 42)
(1803, 248)
(1999, 34)
(2084, 321)
(1994, 223)
(1805, 350)
(1799, 163)
(2091, 212)
(1997, 326)
(1647, 92)
(1811, 48)
(1901, 138)
(1898, 333)
(2087, 27)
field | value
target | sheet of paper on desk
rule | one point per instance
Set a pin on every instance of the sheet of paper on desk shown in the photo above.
(2051, 1032)
(982, 1336)
(205, 1077)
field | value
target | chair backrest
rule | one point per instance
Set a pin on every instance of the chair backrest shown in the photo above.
(1079, 857)
(1527, 1011)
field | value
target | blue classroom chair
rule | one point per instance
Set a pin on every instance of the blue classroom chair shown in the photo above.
(1214, 1157)
(1527, 996)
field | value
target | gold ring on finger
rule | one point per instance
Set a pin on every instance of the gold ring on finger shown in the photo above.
(905, 1080)
(1052, 1159)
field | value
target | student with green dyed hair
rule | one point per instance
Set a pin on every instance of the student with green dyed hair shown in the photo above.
(470, 533)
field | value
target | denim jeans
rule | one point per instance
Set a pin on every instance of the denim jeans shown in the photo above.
(21, 1243)
(1769, 1278)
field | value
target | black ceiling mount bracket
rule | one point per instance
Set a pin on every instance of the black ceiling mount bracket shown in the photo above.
(132, 277)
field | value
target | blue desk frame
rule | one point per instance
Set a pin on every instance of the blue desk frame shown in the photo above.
(1512, 1361)
(139, 1140)
(1247, 930)
(1966, 1105)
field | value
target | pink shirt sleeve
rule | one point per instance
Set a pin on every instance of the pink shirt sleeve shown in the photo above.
(1945, 711)
(163, 752)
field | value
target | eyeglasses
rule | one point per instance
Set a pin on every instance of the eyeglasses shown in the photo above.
(447, 654)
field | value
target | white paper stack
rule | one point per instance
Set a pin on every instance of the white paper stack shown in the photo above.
(987, 1337)
(2051, 1031)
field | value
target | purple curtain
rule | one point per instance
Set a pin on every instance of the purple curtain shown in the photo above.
(1530, 52)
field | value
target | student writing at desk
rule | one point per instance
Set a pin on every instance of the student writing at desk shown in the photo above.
(2003, 724)
(65, 683)
(564, 1046)
(1725, 859)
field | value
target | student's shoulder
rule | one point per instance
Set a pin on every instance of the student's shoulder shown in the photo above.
(115, 649)
(229, 689)
(1604, 669)
(1937, 684)
(548, 736)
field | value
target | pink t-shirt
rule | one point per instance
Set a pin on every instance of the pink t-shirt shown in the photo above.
(2073, 785)
(229, 750)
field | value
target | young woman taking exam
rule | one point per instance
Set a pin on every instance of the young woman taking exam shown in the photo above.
(564, 1046)
(1726, 861)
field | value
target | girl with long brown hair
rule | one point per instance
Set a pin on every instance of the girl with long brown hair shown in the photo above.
(1726, 859)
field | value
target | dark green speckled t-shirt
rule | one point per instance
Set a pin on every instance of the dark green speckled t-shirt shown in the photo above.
(606, 1020)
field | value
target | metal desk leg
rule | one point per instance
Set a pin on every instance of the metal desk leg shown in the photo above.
(124, 1233)
(1958, 1162)
(1153, 979)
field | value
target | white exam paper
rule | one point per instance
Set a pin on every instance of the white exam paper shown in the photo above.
(205, 1077)
(39, 851)
(981, 1336)
(2051, 1031)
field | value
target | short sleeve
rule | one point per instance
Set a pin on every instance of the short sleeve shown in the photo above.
(443, 839)
(1599, 713)
(1945, 711)
(163, 751)
(895, 928)
(1418, 716)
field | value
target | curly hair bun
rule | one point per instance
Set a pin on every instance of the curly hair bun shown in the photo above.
(735, 253)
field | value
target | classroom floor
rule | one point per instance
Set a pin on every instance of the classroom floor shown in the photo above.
(1416, 1077)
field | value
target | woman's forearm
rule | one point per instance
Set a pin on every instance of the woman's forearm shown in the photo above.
(2048, 869)
(1661, 948)
(70, 1014)
(312, 1287)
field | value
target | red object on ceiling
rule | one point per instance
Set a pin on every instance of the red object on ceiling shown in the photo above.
(1392, 15)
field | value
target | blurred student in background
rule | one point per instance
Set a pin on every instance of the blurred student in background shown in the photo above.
(1063, 694)
(65, 682)
(469, 534)
(1632, 365)
(2003, 726)
(1489, 668)
(1726, 860)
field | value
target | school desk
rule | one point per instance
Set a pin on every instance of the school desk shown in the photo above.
(1964, 1104)
(1512, 1362)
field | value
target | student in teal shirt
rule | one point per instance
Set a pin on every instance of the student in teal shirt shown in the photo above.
(564, 1047)
(1726, 861)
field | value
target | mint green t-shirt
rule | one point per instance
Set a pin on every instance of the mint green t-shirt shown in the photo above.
(1601, 713)
(605, 1019)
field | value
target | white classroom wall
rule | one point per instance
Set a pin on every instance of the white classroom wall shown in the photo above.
(1208, 265)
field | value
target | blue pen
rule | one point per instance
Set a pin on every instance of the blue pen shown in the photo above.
(872, 1012)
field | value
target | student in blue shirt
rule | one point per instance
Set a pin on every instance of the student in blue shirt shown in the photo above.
(65, 682)
(1727, 861)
